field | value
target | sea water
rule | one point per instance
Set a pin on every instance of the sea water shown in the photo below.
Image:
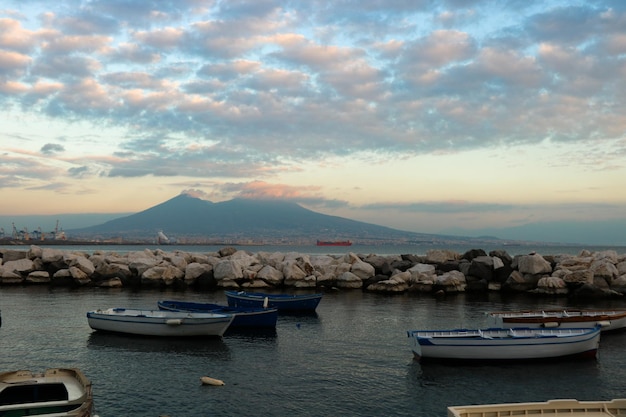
(351, 358)
(383, 249)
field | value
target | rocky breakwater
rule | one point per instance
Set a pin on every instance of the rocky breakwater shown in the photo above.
(588, 274)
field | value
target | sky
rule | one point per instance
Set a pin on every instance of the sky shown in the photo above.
(425, 116)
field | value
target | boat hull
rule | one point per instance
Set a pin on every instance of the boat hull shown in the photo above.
(334, 243)
(58, 392)
(159, 323)
(562, 408)
(504, 345)
(245, 317)
(609, 320)
(281, 302)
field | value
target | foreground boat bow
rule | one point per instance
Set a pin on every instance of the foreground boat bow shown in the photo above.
(56, 392)
(562, 408)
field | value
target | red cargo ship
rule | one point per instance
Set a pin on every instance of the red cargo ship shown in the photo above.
(334, 243)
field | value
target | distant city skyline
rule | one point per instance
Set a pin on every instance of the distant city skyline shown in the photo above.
(432, 117)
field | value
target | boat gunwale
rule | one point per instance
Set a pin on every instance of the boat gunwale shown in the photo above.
(569, 316)
(560, 407)
(273, 297)
(154, 314)
(496, 333)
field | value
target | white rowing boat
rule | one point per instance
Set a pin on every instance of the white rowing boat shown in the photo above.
(159, 322)
(499, 344)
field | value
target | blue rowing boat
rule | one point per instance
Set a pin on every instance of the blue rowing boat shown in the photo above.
(282, 302)
(244, 316)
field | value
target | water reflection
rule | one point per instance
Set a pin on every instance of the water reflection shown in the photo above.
(484, 384)
(213, 346)
(296, 314)
(261, 334)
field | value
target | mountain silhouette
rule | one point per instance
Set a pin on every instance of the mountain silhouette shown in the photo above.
(191, 217)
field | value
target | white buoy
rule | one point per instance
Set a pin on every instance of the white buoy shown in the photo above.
(207, 380)
(266, 302)
(174, 322)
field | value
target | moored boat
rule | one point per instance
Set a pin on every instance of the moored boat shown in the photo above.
(281, 302)
(159, 322)
(609, 320)
(334, 243)
(562, 408)
(56, 392)
(499, 344)
(244, 316)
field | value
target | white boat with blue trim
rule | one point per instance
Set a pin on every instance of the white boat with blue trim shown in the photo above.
(159, 322)
(500, 344)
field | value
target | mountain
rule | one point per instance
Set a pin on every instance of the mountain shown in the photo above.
(189, 218)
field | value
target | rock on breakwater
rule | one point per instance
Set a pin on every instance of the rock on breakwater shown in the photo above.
(588, 274)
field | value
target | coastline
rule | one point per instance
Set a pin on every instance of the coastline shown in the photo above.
(439, 271)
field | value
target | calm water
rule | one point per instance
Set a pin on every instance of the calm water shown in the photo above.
(350, 359)
(337, 250)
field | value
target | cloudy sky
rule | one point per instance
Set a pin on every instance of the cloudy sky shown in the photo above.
(419, 115)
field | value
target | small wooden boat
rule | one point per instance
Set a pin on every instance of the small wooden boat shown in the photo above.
(244, 316)
(56, 392)
(281, 302)
(561, 408)
(498, 344)
(609, 320)
(158, 322)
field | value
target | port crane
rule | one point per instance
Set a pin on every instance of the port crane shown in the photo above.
(58, 234)
(37, 234)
